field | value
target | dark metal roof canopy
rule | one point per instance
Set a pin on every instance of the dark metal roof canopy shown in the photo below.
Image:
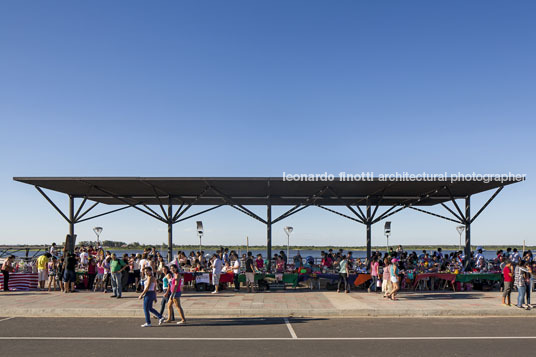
(254, 190)
(238, 192)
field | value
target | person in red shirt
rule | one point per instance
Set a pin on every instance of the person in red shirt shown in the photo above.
(508, 281)
(327, 261)
(259, 262)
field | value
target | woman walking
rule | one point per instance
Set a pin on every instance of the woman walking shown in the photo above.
(386, 284)
(166, 284)
(394, 279)
(149, 297)
(175, 294)
(374, 268)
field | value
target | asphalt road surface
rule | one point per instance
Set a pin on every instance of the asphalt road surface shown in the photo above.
(270, 337)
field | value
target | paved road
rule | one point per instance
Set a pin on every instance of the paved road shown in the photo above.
(271, 337)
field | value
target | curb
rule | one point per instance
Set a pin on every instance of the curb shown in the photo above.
(238, 313)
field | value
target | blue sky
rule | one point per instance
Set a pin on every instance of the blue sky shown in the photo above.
(255, 88)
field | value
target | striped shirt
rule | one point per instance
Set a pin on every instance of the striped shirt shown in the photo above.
(519, 279)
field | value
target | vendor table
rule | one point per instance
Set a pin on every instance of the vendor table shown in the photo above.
(332, 277)
(466, 278)
(442, 276)
(224, 277)
(288, 278)
(20, 281)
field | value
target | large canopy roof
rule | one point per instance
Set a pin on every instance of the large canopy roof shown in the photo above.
(261, 190)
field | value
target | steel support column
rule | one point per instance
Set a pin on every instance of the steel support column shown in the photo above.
(269, 234)
(71, 223)
(467, 231)
(369, 232)
(170, 231)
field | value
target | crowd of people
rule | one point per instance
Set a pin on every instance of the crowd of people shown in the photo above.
(149, 273)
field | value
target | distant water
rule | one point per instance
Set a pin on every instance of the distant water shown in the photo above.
(303, 253)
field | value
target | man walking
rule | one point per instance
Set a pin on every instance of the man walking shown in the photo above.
(116, 268)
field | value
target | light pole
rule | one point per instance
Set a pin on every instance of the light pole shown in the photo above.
(288, 230)
(200, 232)
(387, 232)
(98, 231)
(460, 230)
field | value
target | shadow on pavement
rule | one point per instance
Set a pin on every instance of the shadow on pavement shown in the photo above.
(241, 321)
(25, 293)
(439, 296)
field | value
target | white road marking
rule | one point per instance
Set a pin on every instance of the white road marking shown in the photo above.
(276, 338)
(7, 318)
(290, 328)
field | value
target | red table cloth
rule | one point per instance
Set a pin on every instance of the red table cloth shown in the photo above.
(20, 281)
(224, 277)
(443, 276)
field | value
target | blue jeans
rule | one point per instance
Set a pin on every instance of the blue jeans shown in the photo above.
(148, 300)
(163, 305)
(521, 295)
(372, 285)
(116, 284)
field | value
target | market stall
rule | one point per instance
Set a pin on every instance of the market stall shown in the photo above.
(21, 281)
(201, 277)
(287, 278)
(441, 276)
(467, 278)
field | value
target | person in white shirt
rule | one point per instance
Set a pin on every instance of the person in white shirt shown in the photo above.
(53, 250)
(136, 269)
(84, 258)
(515, 256)
(217, 266)
(236, 271)
(143, 263)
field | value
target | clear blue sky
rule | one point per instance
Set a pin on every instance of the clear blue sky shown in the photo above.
(255, 88)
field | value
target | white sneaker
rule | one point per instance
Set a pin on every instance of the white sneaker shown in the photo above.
(146, 325)
(161, 321)
(214, 292)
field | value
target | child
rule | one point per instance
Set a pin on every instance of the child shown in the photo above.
(52, 273)
(100, 276)
(106, 278)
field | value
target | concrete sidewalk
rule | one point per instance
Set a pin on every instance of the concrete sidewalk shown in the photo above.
(298, 303)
